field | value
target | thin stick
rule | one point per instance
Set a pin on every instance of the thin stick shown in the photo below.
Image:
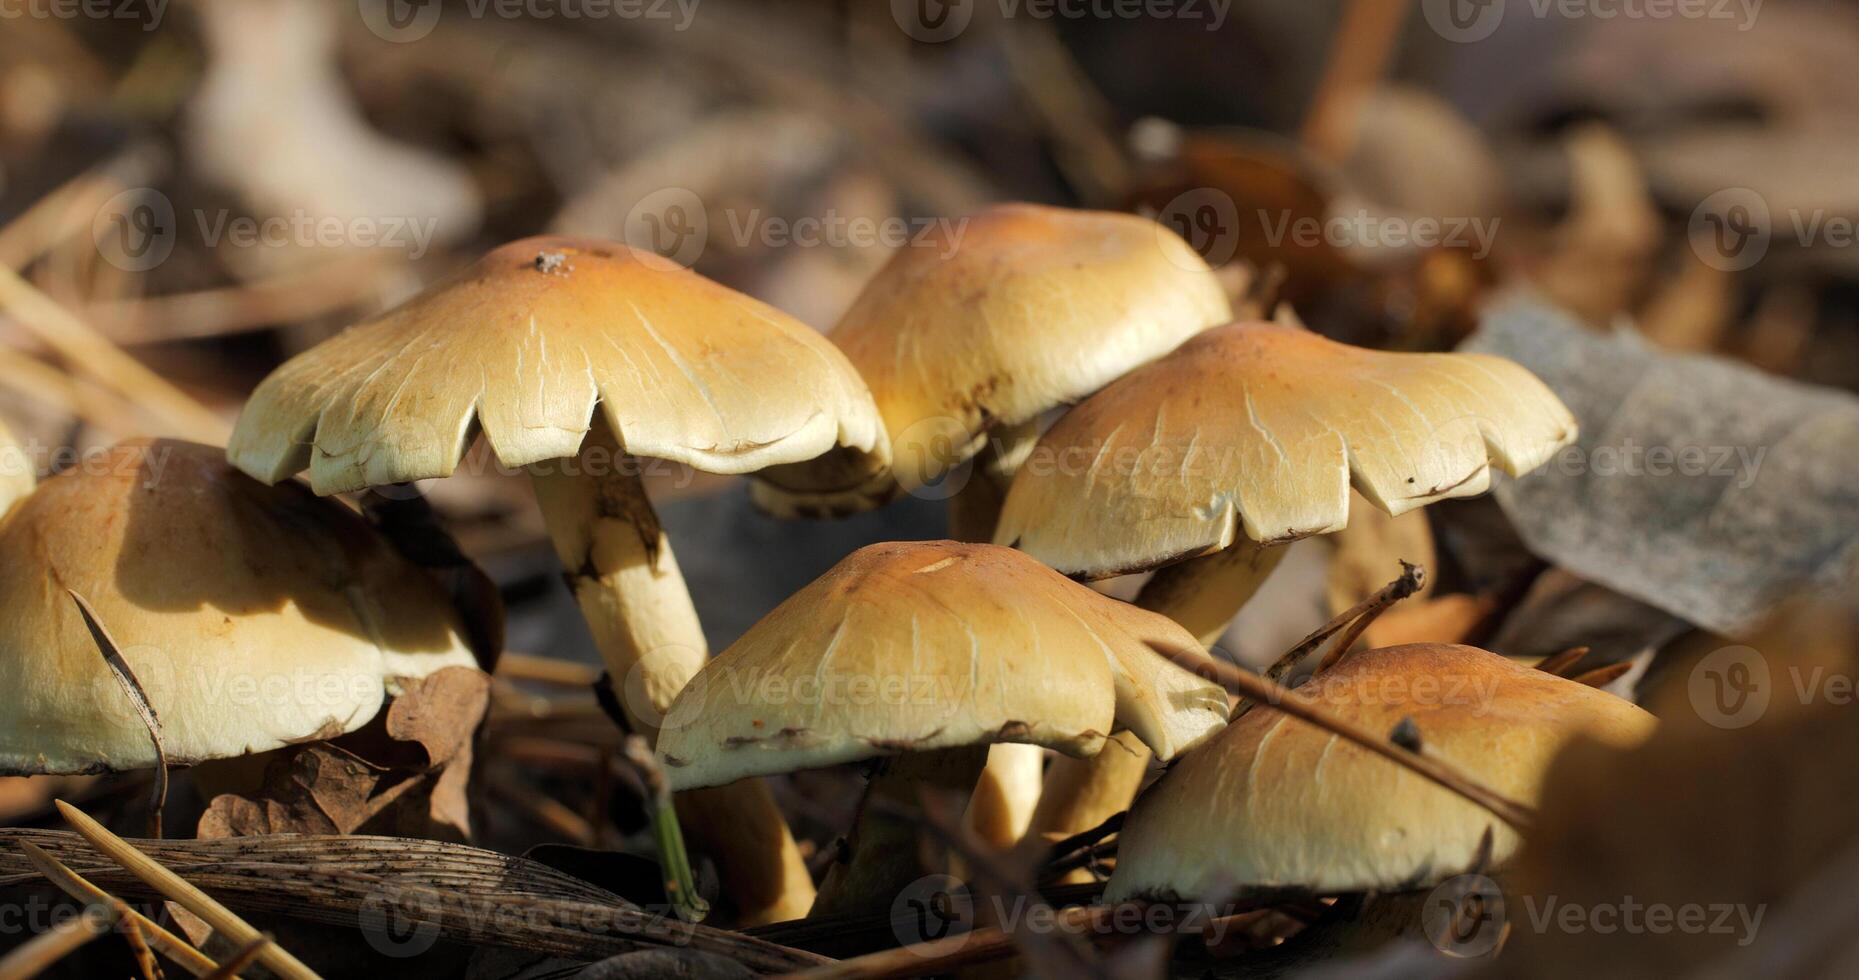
(547, 670)
(246, 956)
(222, 919)
(1603, 676)
(78, 887)
(42, 951)
(1412, 578)
(1358, 58)
(72, 205)
(92, 353)
(1559, 663)
(132, 688)
(1269, 693)
(951, 952)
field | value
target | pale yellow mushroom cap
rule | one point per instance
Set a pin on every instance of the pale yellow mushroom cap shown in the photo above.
(1261, 429)
(18, 472)
(1275, 802)
(1016, 310)
(254, 617)
(932, 645)
(525, 343)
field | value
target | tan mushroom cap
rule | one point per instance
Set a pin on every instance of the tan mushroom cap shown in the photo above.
(254, 617)
(933, 645)
(18, 473)
(1276, 802)
(526, 342)
(1266, 427)
(1028, 309)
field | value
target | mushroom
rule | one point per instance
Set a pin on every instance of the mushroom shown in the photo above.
(253, 617)
(18, 474)
(968, 337)
(922, 655)
(1276, 802)
(1249, 436)
(524, 345)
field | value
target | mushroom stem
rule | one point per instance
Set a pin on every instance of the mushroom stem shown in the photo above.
(1002, 807)
(882, 854)
(18, 473)
(976, 507)
(634, 599)
(1202, 594)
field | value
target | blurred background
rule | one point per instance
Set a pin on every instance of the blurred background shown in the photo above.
(191, 191)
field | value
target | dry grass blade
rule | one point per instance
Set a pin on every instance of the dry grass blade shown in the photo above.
(132, 688)
(179, 890)
(1559, 663)
(78, 887)
(92, 353)
(246, 956)
(471, 896)
(38, 954)
(140, 949)
(73, 205)
(1270, 694)
(1603, 676)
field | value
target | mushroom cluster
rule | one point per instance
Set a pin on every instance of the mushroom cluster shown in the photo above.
(1073, 384)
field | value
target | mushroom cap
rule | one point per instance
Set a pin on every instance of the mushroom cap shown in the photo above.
(1276, 802)
(527, 341)
(1019, 310)
(18, 473)
(253, 617)
(1267, 426)
(933, 645)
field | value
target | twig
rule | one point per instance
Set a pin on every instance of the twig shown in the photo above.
(950, 953)
(80, 888)
(1358, 58)
(39, 953)
(1246, 684)
(547, 670)
(132, 688)
(72, 205)
(673, 860)
(246, 956)
(139, 948)
(1559, 663)
(275, 958)
(1604, 675)
(1410, 582)
(1080, 849)
(92, 353)
(1412, 579)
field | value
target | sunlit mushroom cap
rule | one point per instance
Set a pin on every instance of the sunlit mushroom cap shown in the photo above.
(1261, 429)
(1274, 801)
(254, 617)
(1017, 310)
(525, 343)
(932, 645)
(17, 470)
